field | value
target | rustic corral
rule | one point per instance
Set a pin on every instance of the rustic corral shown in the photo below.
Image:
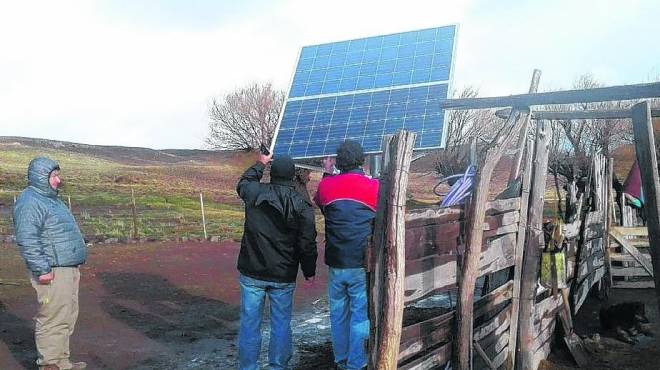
(421, 252)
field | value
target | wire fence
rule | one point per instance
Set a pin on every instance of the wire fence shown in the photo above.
(135, 219)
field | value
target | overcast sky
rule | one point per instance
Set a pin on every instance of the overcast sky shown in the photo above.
(142, 73)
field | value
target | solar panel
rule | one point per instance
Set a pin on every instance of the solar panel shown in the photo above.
(365, 89)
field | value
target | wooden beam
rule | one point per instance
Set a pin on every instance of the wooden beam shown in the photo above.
(520, 249)
(534, 243)
(565, 115)
(395, 257)
(522, 137)
(648, 165)
(612, 93)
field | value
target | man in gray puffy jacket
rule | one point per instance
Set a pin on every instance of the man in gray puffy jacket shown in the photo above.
(53, 247)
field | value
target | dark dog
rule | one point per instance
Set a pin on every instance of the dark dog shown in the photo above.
(627, 320)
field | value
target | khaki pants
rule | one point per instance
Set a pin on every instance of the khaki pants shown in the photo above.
(58, 312)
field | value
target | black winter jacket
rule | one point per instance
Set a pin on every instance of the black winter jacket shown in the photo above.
(279, 232)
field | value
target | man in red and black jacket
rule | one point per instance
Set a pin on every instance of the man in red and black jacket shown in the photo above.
(348, 202)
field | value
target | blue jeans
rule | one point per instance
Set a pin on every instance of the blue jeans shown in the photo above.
(280, 348)
(347, 296)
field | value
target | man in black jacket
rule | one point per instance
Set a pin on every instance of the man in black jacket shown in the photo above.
(279, 234)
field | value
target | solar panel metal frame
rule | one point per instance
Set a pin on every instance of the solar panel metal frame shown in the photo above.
(448, 83)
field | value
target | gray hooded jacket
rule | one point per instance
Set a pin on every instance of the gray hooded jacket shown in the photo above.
(46, 232)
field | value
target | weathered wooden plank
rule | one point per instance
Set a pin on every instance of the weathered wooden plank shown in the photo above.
(637, 255)
(502, 219)
(433, 360)
(502, 205)
(433, 216)
(625, 257)
(440, 273)
(498, 353)
(421, 336)
(572, 230)
(577, 114)
(424, 335)
(580, 294)
(590, 247)
(547, 307)
(612, 93)
(630, 271)
(634, 284)
(508, 229)
(432, 240)
(590, 264)
(436, 215)
(541, 354)
(498, 296)
(493, 343)
(645, 149)
(631, 231)
(544, 336)
(502, 320)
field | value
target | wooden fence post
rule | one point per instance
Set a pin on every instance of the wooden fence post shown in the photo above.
(534, 243)
(520, 250)
(609, 178)
(648, 165)
(201, 203)
(68, 197)
(463, 344)
(134, 211)
(393, 246)
(376, 263)
(522, 138)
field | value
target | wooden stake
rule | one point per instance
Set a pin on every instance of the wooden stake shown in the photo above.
(474, 237)
(394, 248)
(377, 261)
(534, 243)
(520, 249)
(134, 211)
(609, 178)
(201, 202)
(68, 197)
(648, 165)
(522, 137)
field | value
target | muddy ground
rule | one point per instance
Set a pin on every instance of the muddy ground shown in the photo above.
(175, 306)
(156, 305)
(610, 353)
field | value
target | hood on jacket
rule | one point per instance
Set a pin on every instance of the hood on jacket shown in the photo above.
(38, 173)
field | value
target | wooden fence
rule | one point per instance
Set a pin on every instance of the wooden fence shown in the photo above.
(433, 243)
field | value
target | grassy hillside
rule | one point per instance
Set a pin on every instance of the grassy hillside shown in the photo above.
(98, 180)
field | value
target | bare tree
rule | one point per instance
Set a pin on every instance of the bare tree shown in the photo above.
(464, 126)
(576, 141)
(245, 118)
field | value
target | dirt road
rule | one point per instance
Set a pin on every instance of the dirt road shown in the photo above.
(156, 305)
